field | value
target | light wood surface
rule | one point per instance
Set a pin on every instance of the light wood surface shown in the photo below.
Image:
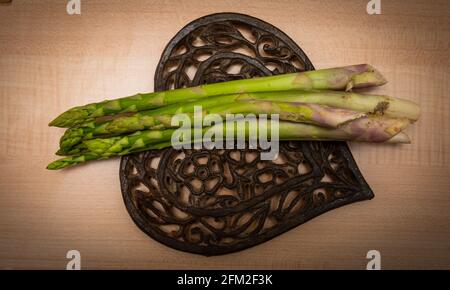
(50, 61)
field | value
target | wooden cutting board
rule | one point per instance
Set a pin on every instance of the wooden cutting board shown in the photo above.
(50, 61)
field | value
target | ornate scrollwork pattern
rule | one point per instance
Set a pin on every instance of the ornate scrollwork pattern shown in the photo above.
(219, 201)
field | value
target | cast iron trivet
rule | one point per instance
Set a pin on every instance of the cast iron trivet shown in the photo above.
(214, 202)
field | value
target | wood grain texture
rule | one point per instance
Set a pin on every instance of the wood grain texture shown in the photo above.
(50, 61)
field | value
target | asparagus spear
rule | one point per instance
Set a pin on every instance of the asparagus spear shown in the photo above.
(370, 129)
(355, 76)
(366, 103)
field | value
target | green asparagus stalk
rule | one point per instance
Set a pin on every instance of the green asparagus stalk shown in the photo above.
(366, 103)
(370, 129)
(341, 78)
(105, 145)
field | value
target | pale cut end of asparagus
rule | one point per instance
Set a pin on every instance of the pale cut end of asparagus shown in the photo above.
(375, 129)
(400, 138)
(366, 76)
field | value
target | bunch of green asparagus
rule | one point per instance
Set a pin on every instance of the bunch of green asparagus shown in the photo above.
(312, 105)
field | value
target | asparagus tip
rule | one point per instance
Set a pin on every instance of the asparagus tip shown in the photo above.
(69, 118)
(57, 122)
(53, 123)
(53, 166)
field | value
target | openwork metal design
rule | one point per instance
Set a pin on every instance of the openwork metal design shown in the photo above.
(214, 202)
